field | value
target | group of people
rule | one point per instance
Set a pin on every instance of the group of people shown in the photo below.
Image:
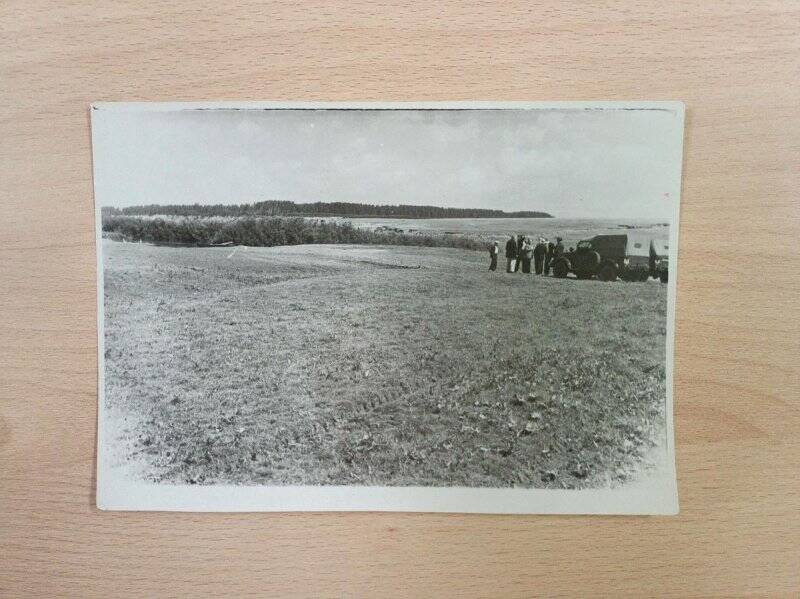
(521, 252)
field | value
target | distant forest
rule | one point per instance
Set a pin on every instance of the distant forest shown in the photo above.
(321, 209)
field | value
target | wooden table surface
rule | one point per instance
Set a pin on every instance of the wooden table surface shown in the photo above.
(735, 64)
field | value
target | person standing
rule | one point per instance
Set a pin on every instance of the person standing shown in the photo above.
(520, 242)
(538, 256)
(493, 252)
(526, 256)
(511, 254)
(548, 257)
(559, 249)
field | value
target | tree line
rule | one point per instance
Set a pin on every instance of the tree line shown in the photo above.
(320, 209)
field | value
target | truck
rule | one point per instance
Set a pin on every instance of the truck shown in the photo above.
(609, 257)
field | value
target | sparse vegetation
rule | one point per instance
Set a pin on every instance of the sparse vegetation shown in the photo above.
(265, 232)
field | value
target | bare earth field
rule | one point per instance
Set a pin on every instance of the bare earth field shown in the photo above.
(377, 366)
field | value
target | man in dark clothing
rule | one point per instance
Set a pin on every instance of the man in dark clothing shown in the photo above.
(559, 249)
(538, 256)
(548, 257)
(520, 241)
(511, 253)
(493, 251)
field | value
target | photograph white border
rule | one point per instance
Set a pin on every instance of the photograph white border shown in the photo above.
(654, 495)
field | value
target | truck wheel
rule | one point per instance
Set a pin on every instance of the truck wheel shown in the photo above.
(664, 276)
(607, 272)
(560, 269)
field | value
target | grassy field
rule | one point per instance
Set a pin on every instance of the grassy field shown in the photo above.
(378, 366)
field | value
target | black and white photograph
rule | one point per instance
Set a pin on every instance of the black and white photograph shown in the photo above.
(449, 307)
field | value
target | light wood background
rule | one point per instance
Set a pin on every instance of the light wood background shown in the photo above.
(736, 65)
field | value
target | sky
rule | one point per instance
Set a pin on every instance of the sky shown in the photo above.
(572, 163)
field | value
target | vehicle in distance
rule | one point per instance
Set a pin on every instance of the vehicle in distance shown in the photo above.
(609, 257)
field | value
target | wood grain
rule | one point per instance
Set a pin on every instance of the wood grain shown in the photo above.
(735, 64)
